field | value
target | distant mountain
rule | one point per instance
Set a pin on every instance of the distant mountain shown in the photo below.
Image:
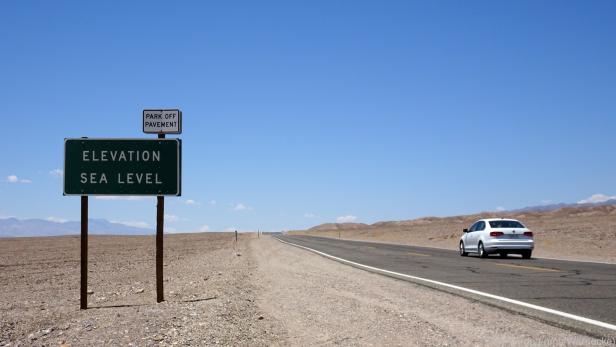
(553, 207)
(342, 226)
(13, 227)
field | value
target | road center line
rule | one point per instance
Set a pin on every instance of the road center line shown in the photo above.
(472, 291)
(536, 268)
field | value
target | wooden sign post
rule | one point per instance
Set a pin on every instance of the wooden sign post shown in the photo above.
(161, 122)
(160, 224)
(126, 167)
(84, 253)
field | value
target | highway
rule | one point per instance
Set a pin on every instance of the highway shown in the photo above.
(579, 288)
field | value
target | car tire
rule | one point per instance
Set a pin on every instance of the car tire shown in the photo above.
(527, 254)
(503, 254)
(482, 251)
(462, 250)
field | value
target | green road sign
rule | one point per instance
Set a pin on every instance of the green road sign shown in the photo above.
(122, 167)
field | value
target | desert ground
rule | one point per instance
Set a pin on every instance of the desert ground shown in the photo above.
(580, 233)
(256, 293)
(210, 293)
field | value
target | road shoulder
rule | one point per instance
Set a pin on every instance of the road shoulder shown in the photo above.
(318, 301)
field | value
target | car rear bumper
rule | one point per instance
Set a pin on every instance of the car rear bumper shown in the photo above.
(494, 246)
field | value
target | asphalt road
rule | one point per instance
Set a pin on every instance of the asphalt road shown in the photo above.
(579, 288)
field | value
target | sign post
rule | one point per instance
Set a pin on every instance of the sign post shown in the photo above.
(84, 253)
(126, 167)
(160, 223)
(161, 122)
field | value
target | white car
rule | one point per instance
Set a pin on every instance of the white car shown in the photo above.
(497, 235)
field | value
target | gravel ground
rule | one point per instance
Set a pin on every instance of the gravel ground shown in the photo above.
(260, 293)
(322, 302)
(209, 289)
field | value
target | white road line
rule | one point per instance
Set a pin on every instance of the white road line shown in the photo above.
(476, 292)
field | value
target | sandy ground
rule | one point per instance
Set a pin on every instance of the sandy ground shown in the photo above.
(587, 233)
(210, 293)
(322, 302)
(260, 293)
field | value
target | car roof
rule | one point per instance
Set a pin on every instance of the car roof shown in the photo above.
(493, 219)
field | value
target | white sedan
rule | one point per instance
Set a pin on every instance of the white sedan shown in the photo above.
(502, 236)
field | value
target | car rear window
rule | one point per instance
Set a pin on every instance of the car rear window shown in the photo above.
(506, 224)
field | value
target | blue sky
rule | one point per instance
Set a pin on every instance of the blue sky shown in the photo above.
(303, 112)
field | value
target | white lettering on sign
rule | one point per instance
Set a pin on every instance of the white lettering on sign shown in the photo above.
(93, 178)
(138, 178)
(122, 178)
(162, 121)
(93, 155)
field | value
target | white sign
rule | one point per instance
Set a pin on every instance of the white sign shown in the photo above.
(162, 121)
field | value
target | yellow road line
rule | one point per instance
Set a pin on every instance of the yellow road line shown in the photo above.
(419, 254)
(527, 267)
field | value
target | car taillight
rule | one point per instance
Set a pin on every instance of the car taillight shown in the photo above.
(528, 233)
(496, 233)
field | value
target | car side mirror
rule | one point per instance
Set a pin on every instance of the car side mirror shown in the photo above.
(464, 230)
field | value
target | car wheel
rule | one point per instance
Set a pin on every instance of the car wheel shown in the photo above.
(482, 251)
(503, 255)
(527, 254)
(463, 252)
